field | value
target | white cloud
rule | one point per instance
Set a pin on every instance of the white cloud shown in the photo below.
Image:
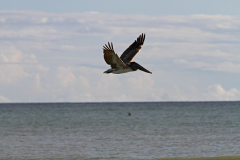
(51, 57)
(4, 99)
(216, 92)
(221, 67)
(10, 54)
(11, 74)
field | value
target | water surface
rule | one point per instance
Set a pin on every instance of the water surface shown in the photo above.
(105, 131)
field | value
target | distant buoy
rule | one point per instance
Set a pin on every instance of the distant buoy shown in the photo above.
(129, 114)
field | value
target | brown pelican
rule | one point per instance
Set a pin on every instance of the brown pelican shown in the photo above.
(124, 64)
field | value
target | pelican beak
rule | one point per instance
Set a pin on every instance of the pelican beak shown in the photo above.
(144, 69)
(138, 66)
(108, 71)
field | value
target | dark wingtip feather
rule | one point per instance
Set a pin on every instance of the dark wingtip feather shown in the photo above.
(141, 38)
(104, 47)
(112, 46)
(144, 37)
(108, 46)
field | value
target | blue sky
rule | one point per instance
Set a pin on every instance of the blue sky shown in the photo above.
(152, 7)
(51, 51)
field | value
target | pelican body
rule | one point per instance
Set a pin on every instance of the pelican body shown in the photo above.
(124, 63)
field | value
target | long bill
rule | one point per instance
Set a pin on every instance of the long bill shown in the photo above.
(138, 66)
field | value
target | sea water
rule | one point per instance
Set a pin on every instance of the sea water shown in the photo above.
(155, 130)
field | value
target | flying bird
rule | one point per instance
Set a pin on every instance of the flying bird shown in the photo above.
(124, 63)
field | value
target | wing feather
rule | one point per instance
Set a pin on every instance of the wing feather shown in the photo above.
(133, 49)
(111, 57)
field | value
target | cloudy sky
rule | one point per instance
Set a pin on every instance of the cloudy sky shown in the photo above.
(51, 51)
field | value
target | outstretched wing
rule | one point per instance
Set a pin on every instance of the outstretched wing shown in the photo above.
(133, 49)
(111, 57)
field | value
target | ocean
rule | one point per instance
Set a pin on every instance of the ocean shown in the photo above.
(106, 131)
